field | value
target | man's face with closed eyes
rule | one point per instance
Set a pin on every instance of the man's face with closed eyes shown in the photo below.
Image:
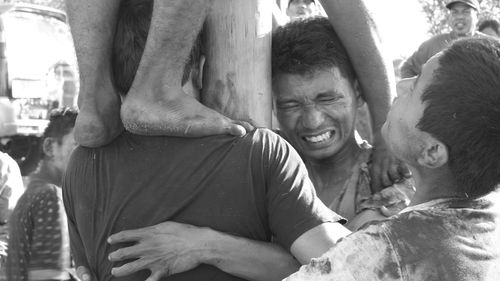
(317, 111)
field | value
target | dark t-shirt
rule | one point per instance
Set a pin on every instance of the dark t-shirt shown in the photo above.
(254, 186)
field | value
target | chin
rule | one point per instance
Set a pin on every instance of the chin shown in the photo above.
(320, 155)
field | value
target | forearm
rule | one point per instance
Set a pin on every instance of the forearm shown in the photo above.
(359, 34)
(248, 259)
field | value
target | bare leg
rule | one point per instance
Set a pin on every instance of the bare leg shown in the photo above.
(92, 25)
(156, 104)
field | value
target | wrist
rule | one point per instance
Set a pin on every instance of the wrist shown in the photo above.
(218, 247)
(209, 247)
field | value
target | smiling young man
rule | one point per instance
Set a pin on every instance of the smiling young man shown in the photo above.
(462, 19)
(444, 124)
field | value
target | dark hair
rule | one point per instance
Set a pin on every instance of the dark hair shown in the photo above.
(61, 122)
(134, 19)
(290, 2)
(306, 46)
(491, 23)
(463, 111)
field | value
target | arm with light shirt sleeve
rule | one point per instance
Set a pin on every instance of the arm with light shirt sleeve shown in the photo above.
(364, 255)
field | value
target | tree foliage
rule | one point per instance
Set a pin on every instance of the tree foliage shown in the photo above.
(435, 12)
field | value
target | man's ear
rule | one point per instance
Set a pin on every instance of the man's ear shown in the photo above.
(198, 80)
(434, 154)
(47, 147)
(360, 101)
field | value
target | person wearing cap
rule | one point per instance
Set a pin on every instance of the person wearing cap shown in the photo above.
(299, 9)
(462, 19)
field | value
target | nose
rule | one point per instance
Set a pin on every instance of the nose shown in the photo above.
(312, 118)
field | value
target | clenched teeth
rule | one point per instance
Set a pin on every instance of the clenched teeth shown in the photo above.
(319, 138)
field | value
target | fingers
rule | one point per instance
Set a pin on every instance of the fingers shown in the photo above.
(130, 268)
(393, 209)
(387, 212)
(127, 253)
(129, 235)
(403, 170)
(393, 173)
(83, 273)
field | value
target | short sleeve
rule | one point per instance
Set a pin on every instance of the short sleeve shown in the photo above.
(364, 255)
(293, 207)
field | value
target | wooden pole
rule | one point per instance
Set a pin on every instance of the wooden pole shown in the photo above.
(237, 77)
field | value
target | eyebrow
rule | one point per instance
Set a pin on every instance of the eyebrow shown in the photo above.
(329, 93)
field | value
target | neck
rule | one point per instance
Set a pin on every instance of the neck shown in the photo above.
(50, 173)
(434, 184)
(330, 171)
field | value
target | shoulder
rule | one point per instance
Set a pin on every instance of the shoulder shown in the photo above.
(483, 35)
(266, 140)
(38, 188)
(363, 255)
(265, 135)
(435, 43)
(277, 149)
(436, 39)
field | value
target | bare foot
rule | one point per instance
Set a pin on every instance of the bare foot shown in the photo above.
(98, 123)
(182, 116)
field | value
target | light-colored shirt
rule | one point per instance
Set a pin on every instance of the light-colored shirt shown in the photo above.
(444, 239)
(356, 196)
(11, 182)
